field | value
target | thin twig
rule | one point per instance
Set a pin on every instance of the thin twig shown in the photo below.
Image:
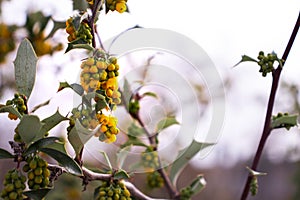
(267, 128)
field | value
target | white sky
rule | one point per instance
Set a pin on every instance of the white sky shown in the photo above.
(225, 30)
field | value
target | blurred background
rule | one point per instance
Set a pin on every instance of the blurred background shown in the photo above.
(225, 30)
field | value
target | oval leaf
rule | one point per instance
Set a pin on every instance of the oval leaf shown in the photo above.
(29, 127)
(40, 144)
(64, 160)
(165, 123)
(25, 68)
(78, 136)
(285, 121)
(184, 157)
(37, 194)
(5, 154)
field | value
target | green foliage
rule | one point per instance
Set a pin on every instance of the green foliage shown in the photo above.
(64, 160)
(75, 87)
(29, 127)
(78, 136)
(165, 123)
(184, 156)
(5, 154)
(284, 121)
(25, 68)
(37, 194)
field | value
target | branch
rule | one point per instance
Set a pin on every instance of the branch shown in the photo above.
(92, 176)
(267, 128)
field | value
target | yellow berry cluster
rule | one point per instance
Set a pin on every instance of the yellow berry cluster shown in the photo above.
(7, 43)
(17, 102)
(150, 159)
(108, 129)
(37, 172)
(81, 31)
(115, 190)
(101, 74)
(14, 185)
(154, 180)
(86, 116)
(118, 5)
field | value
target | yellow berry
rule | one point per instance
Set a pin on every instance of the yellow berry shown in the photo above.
(121, 6)
(93, 69)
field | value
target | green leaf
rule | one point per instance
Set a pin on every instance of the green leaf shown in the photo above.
(150, 94)
(37, 194)
(184, 156)
(40, 144)
(64, 160)
(106, 159)
(246, 58)
(75, 87)
(121, 174)
(78, 136)
(29, 127)
(198, 184)
(79, 5)
(56, 26)
(255, 173)
(122, 155)
(5, 154)
(165, 123)
(133, 141)
(285, 121)
(52, 121)
(79, 44)
(10, 109)
(25, 68)
(126, 95)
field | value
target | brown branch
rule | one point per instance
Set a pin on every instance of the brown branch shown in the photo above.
(267, 128)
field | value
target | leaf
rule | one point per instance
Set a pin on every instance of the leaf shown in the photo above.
(37, 194)
(10, 109)
(56, 26)
(40, 144)
(29, 127)
(149, 94)
(78, 136)
(5, 154)
(75, 87)
(107, 159)
(133, 141)
(79, 5)
(126, 95)
(255, 173)
(122, 155)
(52, 121)
(165, 123)
(245, 58)
(184, 156)
(121, 174)
(64, 160)
(25, 68)
(198, 184)
(79, 44)
(40, 105)
(286, 121)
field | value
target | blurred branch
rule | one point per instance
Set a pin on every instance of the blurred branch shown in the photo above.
(89, 175)
(267, 126)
